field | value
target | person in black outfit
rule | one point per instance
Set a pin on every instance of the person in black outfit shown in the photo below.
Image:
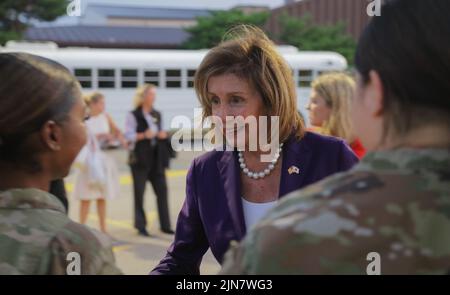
(58, 190)
(147, 158)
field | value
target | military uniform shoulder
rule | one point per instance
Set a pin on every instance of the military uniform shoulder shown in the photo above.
(30, 199)
(330, 227)
(44, 237)
(407, 160)
(331, 187)
(76, 231)
(93, 248)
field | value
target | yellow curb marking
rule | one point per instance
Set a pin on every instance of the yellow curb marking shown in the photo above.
(127, 180)
(121, 248)
(125, 224)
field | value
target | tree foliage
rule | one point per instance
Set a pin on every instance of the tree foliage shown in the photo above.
(302, 33)
(299, 32)
(209, 30)
(16, 15)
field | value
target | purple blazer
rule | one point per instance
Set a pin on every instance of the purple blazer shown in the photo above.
(212, 213)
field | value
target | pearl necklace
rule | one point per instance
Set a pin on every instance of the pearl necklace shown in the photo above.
(265, 172)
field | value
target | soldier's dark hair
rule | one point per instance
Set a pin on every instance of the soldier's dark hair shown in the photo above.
(409, 47)
(33, 90)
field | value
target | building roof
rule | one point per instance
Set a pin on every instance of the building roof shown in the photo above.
(147, 12)
(109, 36)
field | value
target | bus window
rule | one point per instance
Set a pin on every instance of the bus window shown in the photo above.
(152, 77)
(318, 73)
(129, 78)
(84, 76)
(106, 78)
(173, 78)
(190, 78)
(305, 78)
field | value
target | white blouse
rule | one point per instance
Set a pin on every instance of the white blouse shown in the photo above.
(98, 124)
(253, 212)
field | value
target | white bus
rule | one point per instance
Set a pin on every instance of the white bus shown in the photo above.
(117, 72)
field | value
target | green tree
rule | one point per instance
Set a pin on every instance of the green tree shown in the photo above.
(302, 33)
(210, 30)
(16, 15)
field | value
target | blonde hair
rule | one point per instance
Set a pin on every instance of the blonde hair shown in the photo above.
(338, 90)
(249, 54)
(141, 91)
(91, 98)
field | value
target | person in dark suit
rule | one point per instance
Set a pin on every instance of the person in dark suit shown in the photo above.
(144, 131)
(227, 192)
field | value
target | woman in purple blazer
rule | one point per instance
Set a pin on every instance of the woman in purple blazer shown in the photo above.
(229, 191)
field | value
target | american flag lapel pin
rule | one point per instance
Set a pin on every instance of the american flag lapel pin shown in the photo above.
(293, 169)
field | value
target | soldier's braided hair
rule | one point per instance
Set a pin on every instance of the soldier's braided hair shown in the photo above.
(33, 90)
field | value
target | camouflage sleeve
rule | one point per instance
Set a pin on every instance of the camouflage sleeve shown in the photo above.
(358, 223)
(108, 265)
(300, 236)
(78, 244)
(286, 246)
(234, 263)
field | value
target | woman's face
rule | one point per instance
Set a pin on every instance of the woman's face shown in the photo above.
(98, 107)
(233, 96)
(72, 139)
(319, 111)
(149, 97)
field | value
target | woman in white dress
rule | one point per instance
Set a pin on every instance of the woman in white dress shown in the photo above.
(97, 177)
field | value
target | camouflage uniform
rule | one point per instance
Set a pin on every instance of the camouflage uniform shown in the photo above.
(36, 237)
(395, 203)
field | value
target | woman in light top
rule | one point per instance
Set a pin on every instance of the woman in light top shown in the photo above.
(98, 177)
